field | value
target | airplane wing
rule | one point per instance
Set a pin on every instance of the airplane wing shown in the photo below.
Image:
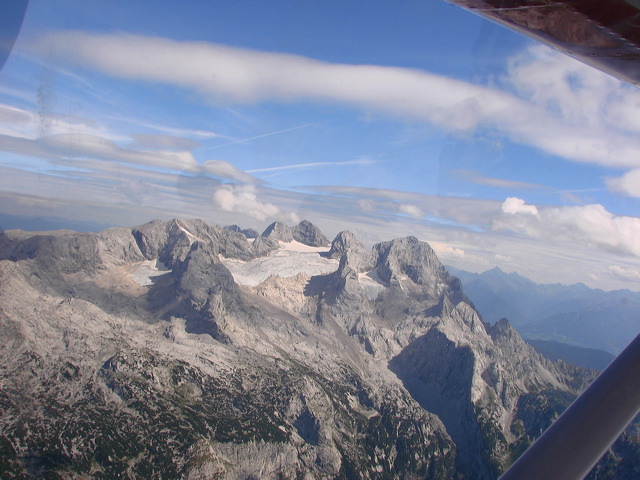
(602, 33)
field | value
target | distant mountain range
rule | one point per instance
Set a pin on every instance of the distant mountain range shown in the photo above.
(30, 223)
(574, 315)
(584, 357)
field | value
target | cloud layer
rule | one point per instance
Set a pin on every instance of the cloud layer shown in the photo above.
(548, 101)
(584, 225)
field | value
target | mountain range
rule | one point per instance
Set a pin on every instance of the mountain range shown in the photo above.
(575, 315)
(180, 349)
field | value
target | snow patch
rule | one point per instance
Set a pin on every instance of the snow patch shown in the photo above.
(142, 273)
(191, 236)
(295, 246)
(371, 284)
(292, 259)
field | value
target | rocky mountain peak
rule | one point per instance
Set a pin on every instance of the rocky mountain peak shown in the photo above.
(343, 241)
(171, 241)
(279, 232)
(305, 232)
(410, 257)
(502, 328)
(350, 251)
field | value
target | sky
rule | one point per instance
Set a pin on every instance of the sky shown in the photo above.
(383, 118)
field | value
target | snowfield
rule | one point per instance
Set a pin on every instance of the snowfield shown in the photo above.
(371, 284)
(293, 258)
(142, 273)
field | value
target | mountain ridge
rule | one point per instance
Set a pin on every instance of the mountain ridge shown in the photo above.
(574, 314)
(162, 363)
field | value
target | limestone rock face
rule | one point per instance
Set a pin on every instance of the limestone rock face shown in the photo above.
(279, 232)
(145, 353)
(171, 241)
(355, 254)
(307, 233)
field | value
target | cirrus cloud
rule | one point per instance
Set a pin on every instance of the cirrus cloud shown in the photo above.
(576, 113)
(92, 146)
(222, 169)
(410, 210)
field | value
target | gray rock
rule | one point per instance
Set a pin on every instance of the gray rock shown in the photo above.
(410, 257)
(305, 232)
(262, 246)
(279, 232)
(194, 376)
(352, 252)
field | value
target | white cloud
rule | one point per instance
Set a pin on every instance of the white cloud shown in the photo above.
(18, 122)
(163, 142)
(91, 146)
(410, 210)
(446, 251)
(629, 183)
(10, 114)
(625, 274)
(224, 73)
(594, 117)
(89, 142)
(557, 105)
(584, 225)
(243, 199)
(223, 169)
(503, 258)
(366, 205)
(69, 138)
(479, 179)
(474, 212)
(576, 92)
(513, 205)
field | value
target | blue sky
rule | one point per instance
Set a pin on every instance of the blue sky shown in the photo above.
(384, 118)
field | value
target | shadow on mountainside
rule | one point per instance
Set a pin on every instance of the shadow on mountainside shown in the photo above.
(438, 376)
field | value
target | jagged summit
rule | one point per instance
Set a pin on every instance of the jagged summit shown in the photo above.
(502, 327)
(305, 232)
(170, 241)
(279, 232)
(411, 257)
(347, 248)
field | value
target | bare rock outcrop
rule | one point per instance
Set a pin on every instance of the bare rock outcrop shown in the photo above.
(305, 232)
(380, 368)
